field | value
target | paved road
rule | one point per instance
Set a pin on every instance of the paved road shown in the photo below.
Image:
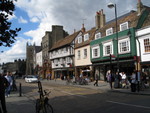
(72, 99)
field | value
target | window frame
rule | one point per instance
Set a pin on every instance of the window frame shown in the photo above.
(80, 39)
(84, 53)
(98, 35)
(106, 45)
(109, 33)
(148, 45)
(79, 54)
(120, 49)
(121, 26)
(86, 36)
(98, 51)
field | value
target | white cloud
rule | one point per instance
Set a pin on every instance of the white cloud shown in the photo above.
(34, 19)
(18, 51)
(22, 20)
(67, 13)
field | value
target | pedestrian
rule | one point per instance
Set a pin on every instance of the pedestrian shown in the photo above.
(123, 79)
(14, 87)
(96, 80)
(117, 78)
(3, 85)
(10, 82)
(110, 78)
(133, 82)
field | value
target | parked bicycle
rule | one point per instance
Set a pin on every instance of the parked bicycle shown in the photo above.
(42, 104)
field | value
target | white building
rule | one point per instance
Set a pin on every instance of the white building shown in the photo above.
(39, 59)
(143, 47)
(62, 57)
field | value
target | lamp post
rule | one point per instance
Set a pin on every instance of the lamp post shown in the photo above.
(111, 5)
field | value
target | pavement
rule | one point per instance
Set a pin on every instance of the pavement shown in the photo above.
(23, 104)
(102, 85)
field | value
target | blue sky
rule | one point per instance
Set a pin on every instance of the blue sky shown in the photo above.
(34, 17)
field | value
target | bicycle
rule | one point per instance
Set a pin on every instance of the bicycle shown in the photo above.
(42, 104)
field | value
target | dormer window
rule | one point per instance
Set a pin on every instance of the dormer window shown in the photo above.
(97, 35)
(86, 37)
(80, 39)
(109, 31)
(123, 26)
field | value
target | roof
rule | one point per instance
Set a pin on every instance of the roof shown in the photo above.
(66, 41)
(91, 37)
(38, 49)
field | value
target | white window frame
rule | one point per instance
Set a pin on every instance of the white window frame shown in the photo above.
(98, 35)
(146, 45)
(105, 47)
(86, 36)
(98, 51)
(68, 59)
(124, 26)
(120, 44)
(79, 54)
(80, 39)
(109, 31)
(84, 53)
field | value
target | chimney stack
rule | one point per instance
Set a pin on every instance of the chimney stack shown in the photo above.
(97, 20)
(139, 7)
(100, 19)
(83, 28)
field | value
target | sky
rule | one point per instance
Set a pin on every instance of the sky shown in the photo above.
(35, 17)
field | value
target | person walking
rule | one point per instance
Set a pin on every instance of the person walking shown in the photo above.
(10, 81)
(96, 80)
(110, 78)
(3, 85)
(117, 78)
(14, 87)
(133, 82)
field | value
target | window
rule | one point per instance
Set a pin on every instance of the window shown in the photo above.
(68, 59)
(147, 45)
(95, 52)
(80, 39)
(79, 54)
(109, 31)
(123, 26)
(85, 53)
(97, 35)
(86, 37)
(107, 50)
(124, 45)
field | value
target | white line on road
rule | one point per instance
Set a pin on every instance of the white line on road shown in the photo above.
(73, 94)
(128, 104)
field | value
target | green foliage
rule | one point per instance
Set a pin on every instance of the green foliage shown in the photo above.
(7, 35)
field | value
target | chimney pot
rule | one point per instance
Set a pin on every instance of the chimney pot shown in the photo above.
(101, 11)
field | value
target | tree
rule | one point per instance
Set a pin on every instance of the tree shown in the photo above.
(7, 35)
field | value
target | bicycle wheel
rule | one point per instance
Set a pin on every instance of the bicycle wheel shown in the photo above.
(48, 108)
(37, 106)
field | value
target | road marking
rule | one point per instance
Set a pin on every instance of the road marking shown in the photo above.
(73, 94)
(129, 104)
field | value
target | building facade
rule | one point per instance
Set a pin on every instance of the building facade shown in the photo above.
(119, 42)
(83, 65)
(62, 57)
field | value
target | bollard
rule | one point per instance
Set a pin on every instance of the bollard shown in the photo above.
(20, 90)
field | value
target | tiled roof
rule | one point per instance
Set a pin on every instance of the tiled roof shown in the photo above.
(91, 37)
(66, 41)
(38, 49)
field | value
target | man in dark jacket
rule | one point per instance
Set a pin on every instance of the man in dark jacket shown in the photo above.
(3, 85)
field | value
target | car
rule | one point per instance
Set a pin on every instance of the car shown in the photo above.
(31, 78)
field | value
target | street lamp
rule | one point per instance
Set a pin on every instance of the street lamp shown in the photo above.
(111, 5)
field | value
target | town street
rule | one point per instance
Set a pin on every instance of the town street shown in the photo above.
(73, 99)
